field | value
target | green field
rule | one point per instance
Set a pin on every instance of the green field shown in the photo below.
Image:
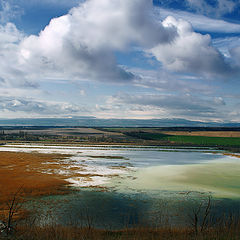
(194, 140)
(217, 141)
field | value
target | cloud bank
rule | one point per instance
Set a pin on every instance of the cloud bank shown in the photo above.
(33, 107)
(199, 22)
(185, 105)
(190, 52)
(82, 44)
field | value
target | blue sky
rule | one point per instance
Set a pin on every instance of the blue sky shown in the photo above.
(120, 59)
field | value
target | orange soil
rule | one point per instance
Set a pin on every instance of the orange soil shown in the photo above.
(33, 174)
(28, 172)
(232, 155)
(206, 133)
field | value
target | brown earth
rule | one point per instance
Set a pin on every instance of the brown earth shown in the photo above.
(232, 155)
(63, 132)
(34, 173)
(205, 133)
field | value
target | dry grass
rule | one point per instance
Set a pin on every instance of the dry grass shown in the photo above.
(26, 174)
(36, 173)
(55, 232)
(205, 133)
(232, 155)
(29, 171)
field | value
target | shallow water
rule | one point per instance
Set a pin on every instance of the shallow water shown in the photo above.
(140, 183)
(145, 168)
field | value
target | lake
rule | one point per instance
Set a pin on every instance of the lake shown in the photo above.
(119, 186)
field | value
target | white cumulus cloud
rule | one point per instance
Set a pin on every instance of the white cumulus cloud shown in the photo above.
(198, 21)
(81, 44)
(190, 51)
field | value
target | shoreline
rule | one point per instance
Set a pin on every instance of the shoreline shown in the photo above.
(53, 184)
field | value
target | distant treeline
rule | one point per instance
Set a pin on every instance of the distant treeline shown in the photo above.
(110, 128)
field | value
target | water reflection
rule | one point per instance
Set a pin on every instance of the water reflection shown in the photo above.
(137, 185)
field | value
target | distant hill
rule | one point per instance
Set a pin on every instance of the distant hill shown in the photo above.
(97, 122)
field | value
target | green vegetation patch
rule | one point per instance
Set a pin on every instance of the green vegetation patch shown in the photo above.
(181, 139)
(200, 140)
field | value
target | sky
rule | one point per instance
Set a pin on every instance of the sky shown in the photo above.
(137, 59)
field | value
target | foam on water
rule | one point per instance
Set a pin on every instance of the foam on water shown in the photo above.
(88, 182)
